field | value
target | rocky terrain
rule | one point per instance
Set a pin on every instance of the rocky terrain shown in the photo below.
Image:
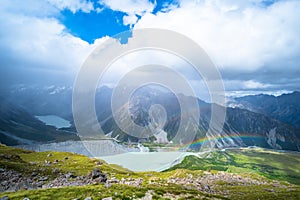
(58, 175)
(206, 182)
(13, 181)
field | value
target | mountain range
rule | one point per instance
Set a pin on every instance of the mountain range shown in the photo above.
(285, 107)
(259, 120)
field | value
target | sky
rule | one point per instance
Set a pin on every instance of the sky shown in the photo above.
(254, 43)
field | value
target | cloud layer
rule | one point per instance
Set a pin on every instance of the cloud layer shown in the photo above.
(250, 41)
(35, 46)
(254, 43)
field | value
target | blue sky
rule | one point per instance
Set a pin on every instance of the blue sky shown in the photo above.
(90, 26)
(254, 43)
(107, 22)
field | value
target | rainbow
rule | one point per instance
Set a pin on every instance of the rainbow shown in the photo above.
(200, 141)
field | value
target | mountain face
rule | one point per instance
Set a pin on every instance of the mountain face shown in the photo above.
(285, 108)
(259, 130)
(38, 100)
(17, 126)
(244, 125)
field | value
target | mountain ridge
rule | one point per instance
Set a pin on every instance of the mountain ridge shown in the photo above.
(271, 133)
(285, 107)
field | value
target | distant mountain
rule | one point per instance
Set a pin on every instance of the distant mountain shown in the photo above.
(285, 107)
(17, 126)
(244, 125)
(42, 100)
(257, 129)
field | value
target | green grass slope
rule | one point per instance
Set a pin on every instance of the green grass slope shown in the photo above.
(26, 162)
(283, 166)
(191, 183)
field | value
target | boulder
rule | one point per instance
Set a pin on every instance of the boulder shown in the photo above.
(70, 175)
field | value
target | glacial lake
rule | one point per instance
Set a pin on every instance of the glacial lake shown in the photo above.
(114, 153)
(54, 120)
(147, 161)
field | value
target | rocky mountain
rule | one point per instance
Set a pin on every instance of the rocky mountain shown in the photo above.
(42, 100)
(244, 125)
(285, 107)
(17, 126)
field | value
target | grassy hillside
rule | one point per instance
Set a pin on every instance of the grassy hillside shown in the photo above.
(125, 184)
(284, 166)
(25, 161)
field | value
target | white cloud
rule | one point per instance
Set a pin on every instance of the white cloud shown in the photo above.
(168, 6)
(138, 7)
(43, 42)
(240, 35)
(99, 10)
(241, 93)
(73, 5)
(129, 19)
(99, 41)
(250, 84)
(256, 46)
(31, 43)
(130, 7)
(38, 8)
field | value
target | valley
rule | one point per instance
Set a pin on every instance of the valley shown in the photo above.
(254, 152)
(149, 100)
(243, 125)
